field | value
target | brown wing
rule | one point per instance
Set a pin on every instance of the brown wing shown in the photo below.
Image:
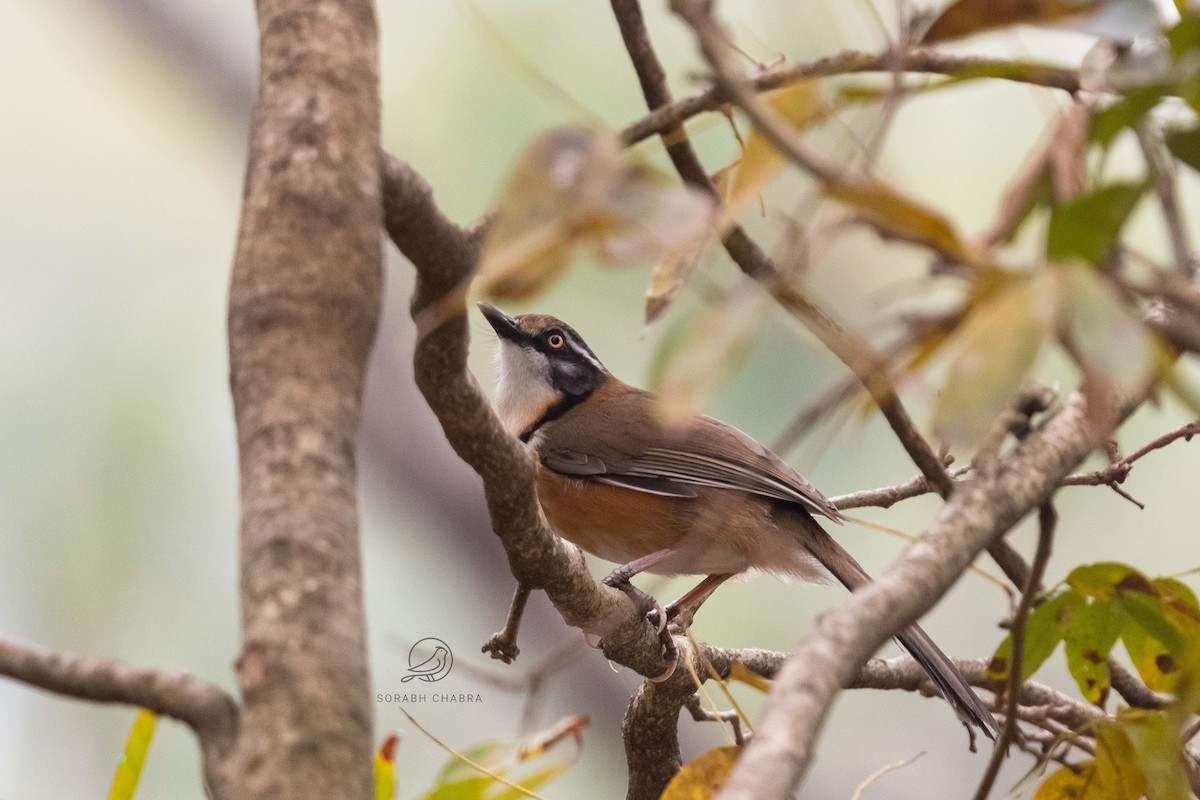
(639, 453)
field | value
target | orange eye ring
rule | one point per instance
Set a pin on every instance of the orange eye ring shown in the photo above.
(555, 340)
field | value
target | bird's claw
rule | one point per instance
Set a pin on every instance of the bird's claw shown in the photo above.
(670, 655)
(657, 616)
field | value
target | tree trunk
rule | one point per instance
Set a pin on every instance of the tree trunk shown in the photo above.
(303, 308)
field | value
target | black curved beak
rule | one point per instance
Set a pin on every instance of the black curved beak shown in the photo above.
(502, 323)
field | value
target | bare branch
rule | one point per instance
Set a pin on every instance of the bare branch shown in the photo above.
(503, 645)
(888, 496)
(729, 717)
(1047, 520)
(677, 112)
(1119, 469)
(651, 733)
(1160, 169)
(444, 256)
(205, 708)
(978, 513)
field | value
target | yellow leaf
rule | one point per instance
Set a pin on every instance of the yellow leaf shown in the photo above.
(667, 279)
(996, 346)
(1114, 775)
(703, 776)
(902, 217)
(129, 771)
(1117, 769)
(1068, 784)
(739, 672)
(801, 105)
(385, 769)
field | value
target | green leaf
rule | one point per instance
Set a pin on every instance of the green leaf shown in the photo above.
(532, 781)
(996, 345)
(1151, 658)
(1087, 226)
(1113, 348)
(1148, 613)
(129, 771)
(1185, 145)
(1090, 635)
(1043, 631)
(1160, 760)
(1101, 579)
(1127, 112)
(1184, 36)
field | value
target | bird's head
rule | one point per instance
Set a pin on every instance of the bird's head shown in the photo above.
(545, 367)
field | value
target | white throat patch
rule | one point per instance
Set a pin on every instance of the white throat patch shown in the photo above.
(523, 393)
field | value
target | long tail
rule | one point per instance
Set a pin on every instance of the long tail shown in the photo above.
(940, 669)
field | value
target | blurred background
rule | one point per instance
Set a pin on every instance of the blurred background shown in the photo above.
(121, 159)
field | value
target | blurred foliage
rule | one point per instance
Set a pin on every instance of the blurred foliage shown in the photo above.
(507, 770)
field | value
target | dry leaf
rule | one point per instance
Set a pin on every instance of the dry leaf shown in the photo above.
(996, 345)
(902, 217)
(702, 777)
(800, 104)
(575, 186)
(1122, 19)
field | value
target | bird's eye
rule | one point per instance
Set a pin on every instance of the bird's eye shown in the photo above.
(555, 340)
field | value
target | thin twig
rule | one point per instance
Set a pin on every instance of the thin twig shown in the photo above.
(1047, 521)
(701, 714)
(879, 773)
(844, 63)
(1160, 170)
(472, 764)
(1117, 471)
(503, 645)
(887, 496)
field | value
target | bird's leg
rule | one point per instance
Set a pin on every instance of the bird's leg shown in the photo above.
(620, 578)
(690, 603)
(656, 615)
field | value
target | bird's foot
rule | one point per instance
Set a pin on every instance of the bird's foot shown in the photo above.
(655, 614)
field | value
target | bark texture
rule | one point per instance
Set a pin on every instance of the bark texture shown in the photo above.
(303, 308)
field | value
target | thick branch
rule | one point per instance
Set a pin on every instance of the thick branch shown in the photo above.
(651, 733)
(205, 708)
(303, 306)
(979, 511)
(444, 256)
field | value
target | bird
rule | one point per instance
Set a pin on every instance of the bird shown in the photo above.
(431, 669)
(693, 498)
